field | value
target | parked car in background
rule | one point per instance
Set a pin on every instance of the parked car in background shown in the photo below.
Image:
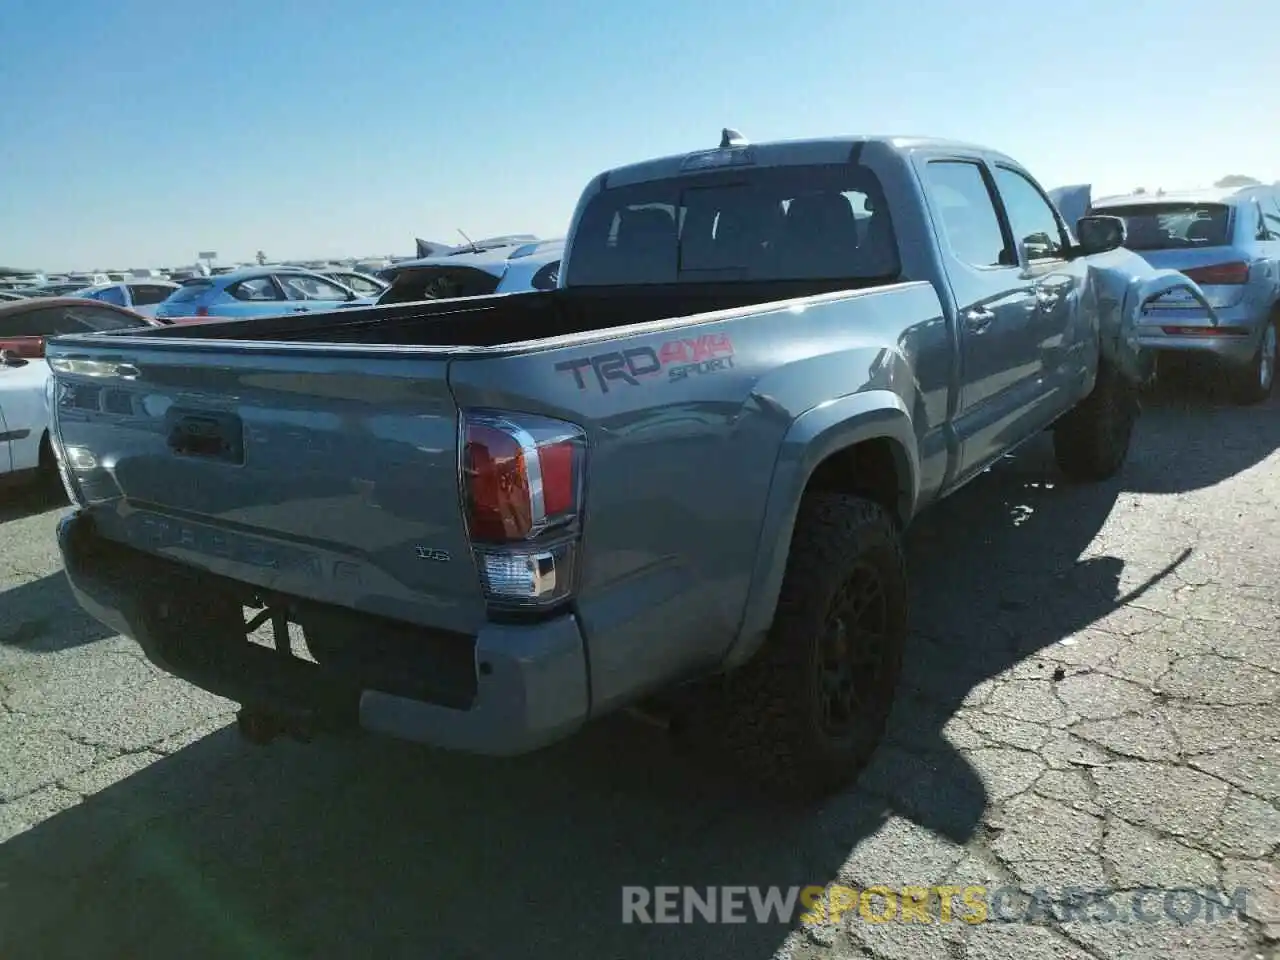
(88, 279)
(54, 288)
(257, 292)
(1228, 241)
(142, 296)
(521, 268)
(361, 283)
(24, 412)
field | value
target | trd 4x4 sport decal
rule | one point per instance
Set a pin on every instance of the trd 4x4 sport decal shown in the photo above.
(678, 359)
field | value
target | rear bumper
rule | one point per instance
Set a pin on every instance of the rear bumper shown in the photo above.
(529, 686)
(1238, 347)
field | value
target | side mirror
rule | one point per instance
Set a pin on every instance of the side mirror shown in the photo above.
(1100, 234)
(10, 359)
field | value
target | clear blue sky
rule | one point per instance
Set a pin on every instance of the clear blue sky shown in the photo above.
(140, 132)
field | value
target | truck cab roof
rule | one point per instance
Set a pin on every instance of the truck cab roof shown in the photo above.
(779, 153)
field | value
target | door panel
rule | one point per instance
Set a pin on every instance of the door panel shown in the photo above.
(996, 305)
(1059, 342)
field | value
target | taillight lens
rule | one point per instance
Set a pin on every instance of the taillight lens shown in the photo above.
(29, 348)
(522, 488)
(1219, 274)
(56, 396)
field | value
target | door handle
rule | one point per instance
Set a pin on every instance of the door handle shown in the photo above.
(978, 319)
(301, 309)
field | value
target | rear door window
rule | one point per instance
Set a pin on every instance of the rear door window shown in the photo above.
(959, 191)
(303, 287)
(775, 223)
(256, 289)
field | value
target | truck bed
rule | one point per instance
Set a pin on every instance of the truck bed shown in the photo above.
(508, 318)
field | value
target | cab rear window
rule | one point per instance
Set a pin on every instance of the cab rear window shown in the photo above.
(777, 223)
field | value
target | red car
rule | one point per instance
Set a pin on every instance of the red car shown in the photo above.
(24, 324)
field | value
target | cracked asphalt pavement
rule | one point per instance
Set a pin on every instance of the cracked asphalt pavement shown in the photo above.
(1091, 700)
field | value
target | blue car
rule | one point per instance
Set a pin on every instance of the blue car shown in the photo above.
(257, 292)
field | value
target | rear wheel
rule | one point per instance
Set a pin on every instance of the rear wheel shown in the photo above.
(806, 714)
(1253, 383)
(1091, 442)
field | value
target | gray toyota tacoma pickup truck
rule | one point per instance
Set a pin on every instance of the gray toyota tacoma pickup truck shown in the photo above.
(480, 523)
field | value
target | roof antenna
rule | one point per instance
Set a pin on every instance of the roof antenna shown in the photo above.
(730, 137)
(474, 248)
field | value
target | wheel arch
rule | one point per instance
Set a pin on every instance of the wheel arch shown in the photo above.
(862, 444)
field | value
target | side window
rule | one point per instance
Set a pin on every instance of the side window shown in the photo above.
(258, 288)
(35, 323)
(1035, 226)
(301, 287)
(85, 319)
(366, 288)
(111, 295)
(969, 219)
(147, 294)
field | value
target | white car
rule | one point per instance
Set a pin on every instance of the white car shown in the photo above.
(24, 415)
(24, 409)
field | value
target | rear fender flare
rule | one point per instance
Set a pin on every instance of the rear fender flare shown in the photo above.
(812, 437)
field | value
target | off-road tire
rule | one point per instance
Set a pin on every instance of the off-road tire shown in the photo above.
(768, 712)
(1247, 384)
(1092, 441)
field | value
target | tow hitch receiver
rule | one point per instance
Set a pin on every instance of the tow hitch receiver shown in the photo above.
(260, 723)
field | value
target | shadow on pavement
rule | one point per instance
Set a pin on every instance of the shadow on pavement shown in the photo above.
(24, 499)
(40, 616)
(373, 848)
(1193, 437)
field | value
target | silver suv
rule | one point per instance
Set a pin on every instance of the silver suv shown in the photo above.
(1228, 241)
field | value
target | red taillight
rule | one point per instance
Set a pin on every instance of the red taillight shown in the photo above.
(522, 480)
(1219, 274)
(28, 348)
(202, 311)
(1207, 331)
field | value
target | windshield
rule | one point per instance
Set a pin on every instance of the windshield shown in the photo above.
(780, 223)
(1173, 226)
